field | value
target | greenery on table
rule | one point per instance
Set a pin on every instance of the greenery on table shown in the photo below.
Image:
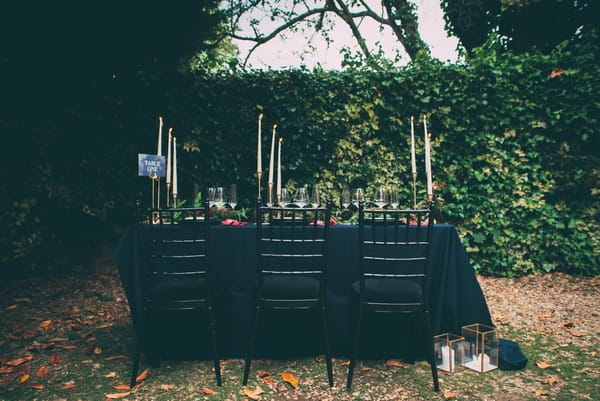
(515, 151)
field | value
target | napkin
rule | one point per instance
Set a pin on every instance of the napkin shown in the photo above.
(233, 222)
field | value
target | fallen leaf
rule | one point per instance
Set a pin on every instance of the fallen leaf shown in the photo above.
(111, 374)
(540, 392)
(45, 323)
(208, 391)
(87, 334)
(22, 300)
(24, 378)
(35, 386)
(66, 346)
(290, 378)
(576, 333)
(122, 387)
(253, 394)
(263, 373)
(542, 365)
(167, 386)
(42, 371)
(110, 358)
(143, 376)
(6, 369)
(12, 307)
(19, 361)
(67, 386)
(272, 384)
(105, 325)
(394, 362)
(97, 350)
(54, 359)
(551, 380)
(28, 335)
(116, 396)
(556, 73)
(345, 363)
(545, 316)
(58, 339)
(593, 353)
(449, 394)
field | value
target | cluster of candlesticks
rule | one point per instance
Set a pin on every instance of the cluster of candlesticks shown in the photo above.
(278, 188)
(171, 170)
(270, 182)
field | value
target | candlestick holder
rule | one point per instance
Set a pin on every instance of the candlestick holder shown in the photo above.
(481, 347)
(449, 351)
(259, 176)
(279, 200)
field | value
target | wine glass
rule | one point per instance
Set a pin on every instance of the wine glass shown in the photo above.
(210, 196)
(315, 200)
(394, 197)
(232, 196)
(219, 200)
(301, 197)
(358, 196)
(286, 198)
(345, 198)
(381, 197)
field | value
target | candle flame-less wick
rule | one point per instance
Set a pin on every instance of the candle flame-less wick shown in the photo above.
(170, 130)
(260, 116)
(280, 140)
(274, 126)
(412, 118)
(160, 119)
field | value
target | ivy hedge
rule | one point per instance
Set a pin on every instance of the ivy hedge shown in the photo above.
(515, 154)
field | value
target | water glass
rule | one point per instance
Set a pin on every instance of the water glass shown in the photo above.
(381, 197)
(315, 200)
(219, 198)
(394, 197)
(301, 197)
(210, 196)
(345, 198)
(232, 196)
(358, 196)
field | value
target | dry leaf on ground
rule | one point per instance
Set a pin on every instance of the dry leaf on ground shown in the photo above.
(208, 391)
(394, 362)
(143, 376)
(122, 387)
(23, 378)
(449, 394)
(117, 396)
(19, 361)
(542, 365)
(263, 373)
(272, 384)
(67, 386)
(35, 386)
(54, 359)
(42, 371)
(167, 386)
(253, 394)
(290, 378)
(110, 358)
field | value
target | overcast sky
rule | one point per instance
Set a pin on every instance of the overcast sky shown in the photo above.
(278, 53)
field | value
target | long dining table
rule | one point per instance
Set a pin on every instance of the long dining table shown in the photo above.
(456, 299)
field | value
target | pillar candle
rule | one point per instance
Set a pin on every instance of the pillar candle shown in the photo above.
(279, 168)
(271, 160)
(413, 159)
(259, 151)
(174, 166)
(169, 156)
(160, 127)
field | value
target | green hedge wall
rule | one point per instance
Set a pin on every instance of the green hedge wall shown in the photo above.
(515, 149)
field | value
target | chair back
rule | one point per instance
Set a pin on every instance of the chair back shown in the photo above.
(174, 249)
(292, 246)
(394, 253)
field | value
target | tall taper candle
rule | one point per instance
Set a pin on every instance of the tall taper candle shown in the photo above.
(160, 127)
(169, 158)
(279, 171)
(426, 147)
(259, 151)
(413, 158)
(428, 165)
(174, 169)
(271, 160)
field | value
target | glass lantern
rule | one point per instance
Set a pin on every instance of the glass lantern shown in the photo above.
(449, 351)
(481, 347)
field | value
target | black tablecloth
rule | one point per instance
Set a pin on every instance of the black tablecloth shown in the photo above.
(456, 297)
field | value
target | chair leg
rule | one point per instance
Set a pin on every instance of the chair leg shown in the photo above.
(136, 364)
(251, 350)
(434, 373)
(327, 347)
(213, 337)
(355, 348)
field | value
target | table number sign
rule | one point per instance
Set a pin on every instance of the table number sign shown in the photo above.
(151, 165)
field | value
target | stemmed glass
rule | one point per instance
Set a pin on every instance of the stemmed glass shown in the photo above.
(315, 200)
(232, 196)
(394, 197)
(381, 197)
(301, 197)
(210, 197)
(345, 197)
(219, 200)
(358, 196)
(286, 198)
